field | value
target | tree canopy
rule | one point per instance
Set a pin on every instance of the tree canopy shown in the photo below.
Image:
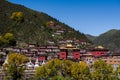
(68, 70)
(7, 39)
(17, 16)
(102, 70)
(65, 69)
(14, 68)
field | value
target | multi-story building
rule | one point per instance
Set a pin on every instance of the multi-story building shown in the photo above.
(69, 52)
(112, 59)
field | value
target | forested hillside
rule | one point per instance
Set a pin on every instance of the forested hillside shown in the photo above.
(30, 26)
(110, 40)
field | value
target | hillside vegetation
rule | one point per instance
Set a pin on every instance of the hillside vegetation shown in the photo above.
(29, 26)
(90, 37)
(110, 40)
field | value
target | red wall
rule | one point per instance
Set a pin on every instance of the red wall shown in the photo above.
(99, 53)
(96, 53)
(76, 55)
(41, 58)
(62, 55)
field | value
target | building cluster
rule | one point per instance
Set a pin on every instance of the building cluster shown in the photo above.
(40, 55)
(71, 49)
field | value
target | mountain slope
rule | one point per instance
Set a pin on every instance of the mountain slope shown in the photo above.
(32, 29)
(110, 39)
(90, 37)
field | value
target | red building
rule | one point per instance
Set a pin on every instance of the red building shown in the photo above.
(62, 55)
(99, 52)
(76, 55)
(69, 52)
(42, 58)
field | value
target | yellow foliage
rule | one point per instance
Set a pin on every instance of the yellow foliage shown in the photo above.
(14, 68)
(47, 24)
(1, 38)
(18, 59)
(118, 70)
(100, 64)
(83, 64)
(17, 16)
(80, 71)
(66, 68)
(9, 36)
(7, 39)
(57, 62)
(42, 72)
(102, 70)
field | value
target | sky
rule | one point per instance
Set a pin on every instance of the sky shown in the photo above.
(88, 16)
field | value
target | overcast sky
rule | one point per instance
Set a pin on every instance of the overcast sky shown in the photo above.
(88, 16)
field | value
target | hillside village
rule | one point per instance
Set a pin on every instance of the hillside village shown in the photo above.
(42, 38)
(71, 49)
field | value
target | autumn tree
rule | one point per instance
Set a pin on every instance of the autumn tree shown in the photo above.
(47, 24)
(80, 71)
(17, 16)
(63, 70)
(60, 68)
(117, 73)
(49, 70)
(42, 73)
(14, 68)
(58, 78)
(66, 68)
(102, 71)
(55, 66)
(9, 39)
